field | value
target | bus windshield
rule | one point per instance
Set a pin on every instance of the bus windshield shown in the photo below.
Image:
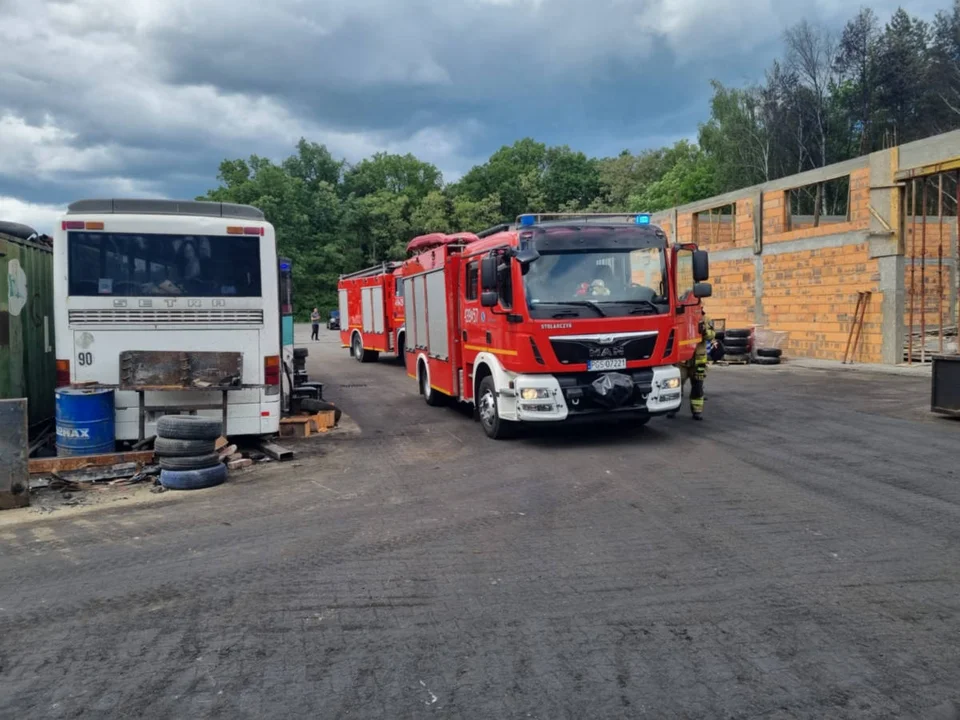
(601, 282)
(153, 265)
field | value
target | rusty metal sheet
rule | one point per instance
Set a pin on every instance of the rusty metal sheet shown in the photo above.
(14, 451)
(180, 369)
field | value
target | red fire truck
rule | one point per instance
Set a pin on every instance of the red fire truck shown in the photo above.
(554, 318)
(371, 311)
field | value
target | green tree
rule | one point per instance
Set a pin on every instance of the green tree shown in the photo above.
(434, 214)
(400, 174)
(692, 177)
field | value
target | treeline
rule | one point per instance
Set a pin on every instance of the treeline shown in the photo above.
(829, 98)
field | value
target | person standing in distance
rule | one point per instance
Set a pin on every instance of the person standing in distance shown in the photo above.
(315, 324)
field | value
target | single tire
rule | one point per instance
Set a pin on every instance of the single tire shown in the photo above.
(300, 352)
(434, 398)
(765, 361)
(189, 427)
(311, 405)
(735, 352)
(194, 479)
(769, 352)
(169, 447)
(489, 411)
(738, 333)
(736, 342)
(190, 462)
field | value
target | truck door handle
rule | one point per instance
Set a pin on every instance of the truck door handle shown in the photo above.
(464, 335)
(489, 339)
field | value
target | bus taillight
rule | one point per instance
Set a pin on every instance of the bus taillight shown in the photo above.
(271, 370)
(63, 373)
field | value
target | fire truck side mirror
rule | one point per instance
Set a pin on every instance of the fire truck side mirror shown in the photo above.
(701, 266)
(488, 274)
(702, 290)
(489, 298)
(525, 257)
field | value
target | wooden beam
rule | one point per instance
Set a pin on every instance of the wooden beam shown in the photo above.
(39, 466)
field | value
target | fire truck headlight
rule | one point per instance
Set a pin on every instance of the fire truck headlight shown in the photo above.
(671, 383)
(534, 393)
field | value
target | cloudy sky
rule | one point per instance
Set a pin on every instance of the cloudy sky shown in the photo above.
(146, 97)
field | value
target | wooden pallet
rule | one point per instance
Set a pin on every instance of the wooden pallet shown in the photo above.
(302, 426)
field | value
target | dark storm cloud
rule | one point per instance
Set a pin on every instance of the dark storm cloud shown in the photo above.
(148, 96)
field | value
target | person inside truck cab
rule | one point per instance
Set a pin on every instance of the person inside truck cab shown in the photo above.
(600, 285)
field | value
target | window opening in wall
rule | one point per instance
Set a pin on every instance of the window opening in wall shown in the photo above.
(817, 204)
(931, 257)
(715, 226)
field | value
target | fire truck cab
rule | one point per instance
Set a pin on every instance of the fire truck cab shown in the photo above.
(554, 318)
(371, 311)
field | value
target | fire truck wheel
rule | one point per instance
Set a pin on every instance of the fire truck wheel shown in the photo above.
(360, 354)
(489, 411)
(433, 398)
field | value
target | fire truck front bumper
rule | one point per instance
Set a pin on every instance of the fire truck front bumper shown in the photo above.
(552, 398)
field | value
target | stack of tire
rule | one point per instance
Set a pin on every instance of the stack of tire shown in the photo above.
(737, 343)
(187, 448)
(767, 356)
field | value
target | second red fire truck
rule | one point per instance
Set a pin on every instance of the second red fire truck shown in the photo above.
(553, 318)
(371, 312)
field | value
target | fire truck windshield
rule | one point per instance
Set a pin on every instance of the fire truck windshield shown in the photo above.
(592, 283)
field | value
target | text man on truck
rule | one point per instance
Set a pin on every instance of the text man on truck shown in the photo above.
(553, 318)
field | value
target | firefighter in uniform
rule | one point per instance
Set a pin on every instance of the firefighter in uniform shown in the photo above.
(696, 369)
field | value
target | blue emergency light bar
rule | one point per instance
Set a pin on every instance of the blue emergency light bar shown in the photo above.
(643, 219)
(284, 266)
(528, 220)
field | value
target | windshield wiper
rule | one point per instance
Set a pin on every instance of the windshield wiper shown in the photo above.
(644, 305)
(566, 313)
(578, 303)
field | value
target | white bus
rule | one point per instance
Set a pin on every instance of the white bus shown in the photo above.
(147, 289)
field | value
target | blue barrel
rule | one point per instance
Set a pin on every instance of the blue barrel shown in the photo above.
(85, 422)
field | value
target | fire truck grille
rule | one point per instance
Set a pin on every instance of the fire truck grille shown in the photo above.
(580, 351)
(580, 399)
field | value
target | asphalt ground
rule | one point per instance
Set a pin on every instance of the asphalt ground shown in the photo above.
(797, 554)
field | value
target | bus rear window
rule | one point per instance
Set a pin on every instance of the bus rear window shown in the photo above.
(146, 265)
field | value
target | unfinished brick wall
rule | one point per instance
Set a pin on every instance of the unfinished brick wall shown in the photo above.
(802, 274)
(809, 292)
(930, 285)
(812, 296)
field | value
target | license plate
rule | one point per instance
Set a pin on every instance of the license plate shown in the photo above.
(608, 364)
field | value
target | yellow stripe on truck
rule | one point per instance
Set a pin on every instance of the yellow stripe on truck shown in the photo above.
(495, 351)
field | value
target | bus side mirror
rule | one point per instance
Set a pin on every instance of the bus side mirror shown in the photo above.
(489, 298)
(702, 290)
(701, 266)
(488, 273)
